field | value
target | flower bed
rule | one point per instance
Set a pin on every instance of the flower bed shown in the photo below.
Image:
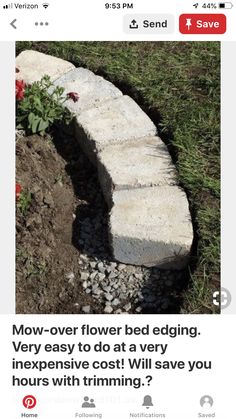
(63, 256)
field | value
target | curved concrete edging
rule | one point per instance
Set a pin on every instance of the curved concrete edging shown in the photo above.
(150, 222)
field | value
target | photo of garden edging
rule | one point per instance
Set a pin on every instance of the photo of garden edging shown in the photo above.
(71, 256)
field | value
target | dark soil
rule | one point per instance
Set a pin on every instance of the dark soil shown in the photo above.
(47, 265)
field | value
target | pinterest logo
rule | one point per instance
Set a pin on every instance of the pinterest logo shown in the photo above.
(29, 402)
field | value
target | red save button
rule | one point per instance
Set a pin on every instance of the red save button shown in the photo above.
(205, 24)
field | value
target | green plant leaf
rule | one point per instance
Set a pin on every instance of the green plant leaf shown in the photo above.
(34, 125)
(21, 118)
(43, 125)
(31, 118)
(40, 109)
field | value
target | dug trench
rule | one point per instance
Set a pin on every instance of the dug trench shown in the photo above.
(63, 260)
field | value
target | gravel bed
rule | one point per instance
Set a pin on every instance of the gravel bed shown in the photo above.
(119, 288)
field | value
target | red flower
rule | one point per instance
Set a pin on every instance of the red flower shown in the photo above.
(20, 89)
(74, 96)
(18, 190)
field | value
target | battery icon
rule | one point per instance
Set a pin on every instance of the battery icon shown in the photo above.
(226, 5)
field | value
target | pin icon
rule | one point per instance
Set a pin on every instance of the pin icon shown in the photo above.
(29, 402)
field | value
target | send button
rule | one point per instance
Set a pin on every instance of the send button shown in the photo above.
(149, 24)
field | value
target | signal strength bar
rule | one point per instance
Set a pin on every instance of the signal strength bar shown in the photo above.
(45, 5)
(8, 6)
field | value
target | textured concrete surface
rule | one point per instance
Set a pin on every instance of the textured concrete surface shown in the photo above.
(140, 163)
(34, 65)
(79, 73)
(92, 90)
(117, 121)
(151, 227)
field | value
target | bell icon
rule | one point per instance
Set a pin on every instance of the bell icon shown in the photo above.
(147, 402)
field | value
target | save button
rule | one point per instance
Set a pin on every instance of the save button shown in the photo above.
(205, 24)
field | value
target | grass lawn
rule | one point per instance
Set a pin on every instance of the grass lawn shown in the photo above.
(178, 86)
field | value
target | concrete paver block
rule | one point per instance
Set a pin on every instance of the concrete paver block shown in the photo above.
(151, 227)
(92, 90)
(140, 163)
(117, 121)
(34, 65)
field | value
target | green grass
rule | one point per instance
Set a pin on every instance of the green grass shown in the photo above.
(178, 85)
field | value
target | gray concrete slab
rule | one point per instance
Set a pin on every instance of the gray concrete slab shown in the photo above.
(151, 227)
(33, 65)
(92, 90)
(120, 120)
(137, 164)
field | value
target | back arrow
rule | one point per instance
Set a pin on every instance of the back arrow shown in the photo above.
(13, 23)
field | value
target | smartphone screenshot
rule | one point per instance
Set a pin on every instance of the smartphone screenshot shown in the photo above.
(117, 209)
